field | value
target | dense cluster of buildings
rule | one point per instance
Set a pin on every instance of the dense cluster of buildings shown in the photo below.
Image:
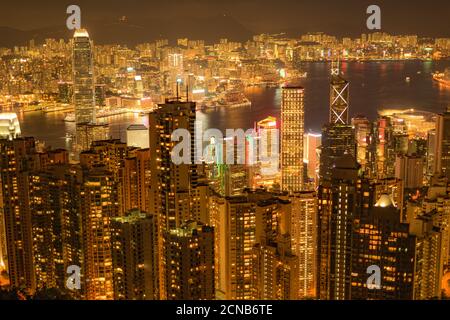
(137, 78)
(307, 226)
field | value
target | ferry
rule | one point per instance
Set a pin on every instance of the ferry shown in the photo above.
(442, 77)
(57, 107)
(70, 117)
(233, 99)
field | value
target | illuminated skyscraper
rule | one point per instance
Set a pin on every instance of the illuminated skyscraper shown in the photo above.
(382, 240)
(110, 153)
(437, 205)
(304, 240)
(442, 153)
(9, 126)
(268, 151)
(135, 178)
(428, 268)
(337, 140)
(65, 92)
(48, 205)
(339, 96)
(338, 137)
(98, 205)
(87, 133)
(177, 192)
(338, 204)
(70, 182)
(231, 172)
(311, 155)
(410, 169)
(254, 259)
(275, 266)
(83, 78)
(292, 130)
(135, 256)
(362, 128)
(16, 161)
(275, 270)
(172, 183)
(237, 236)
(391, 140)
(190, 273)
(409, 255)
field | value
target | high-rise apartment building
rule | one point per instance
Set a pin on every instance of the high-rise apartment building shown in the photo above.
(275, 271)
(338, 203)
(442, 153)
(135, 179)
(428, 267)
(410, 169)
(254, 258)
(177, 192)
(382, 240)
(88, 133)
(135, 256)
(237, 236)
(98, 205)
(304, 240)
(48, 204)
(189, 254)
(275, 267)
(16, 161)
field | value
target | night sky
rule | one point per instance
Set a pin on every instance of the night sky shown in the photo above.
(235, 18)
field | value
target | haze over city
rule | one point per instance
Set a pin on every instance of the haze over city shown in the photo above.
(235, 19)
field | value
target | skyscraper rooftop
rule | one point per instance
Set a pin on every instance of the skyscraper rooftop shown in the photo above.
(81, 33)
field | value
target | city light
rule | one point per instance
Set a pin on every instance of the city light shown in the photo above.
(186, 154)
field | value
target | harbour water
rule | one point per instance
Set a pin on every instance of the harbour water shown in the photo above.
(373, 86)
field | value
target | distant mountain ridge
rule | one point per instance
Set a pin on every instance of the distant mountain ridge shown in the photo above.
(131, 33)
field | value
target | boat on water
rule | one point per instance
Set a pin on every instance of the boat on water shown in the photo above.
(294, 75)
(57, 107)
(442, 77)
(32, 106)
(233, 99)
(229, 99)
(70, 117)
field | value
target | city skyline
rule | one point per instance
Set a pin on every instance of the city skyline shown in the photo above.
(158, 189)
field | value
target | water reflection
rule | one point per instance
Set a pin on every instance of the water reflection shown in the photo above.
(373, 86)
